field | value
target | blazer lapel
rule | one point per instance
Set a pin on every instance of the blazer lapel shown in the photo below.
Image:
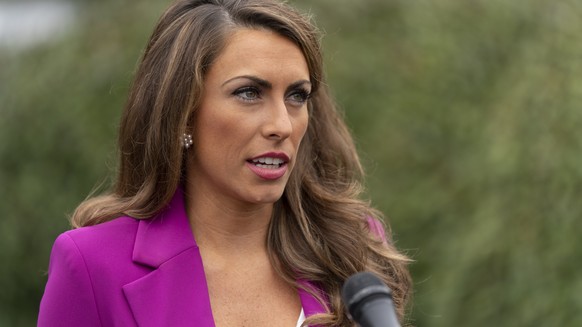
(309, 303)
(175, 293)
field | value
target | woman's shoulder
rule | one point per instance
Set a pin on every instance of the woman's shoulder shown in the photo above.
(107, 231)
(376, 228)
(102, 240)
(89, 266)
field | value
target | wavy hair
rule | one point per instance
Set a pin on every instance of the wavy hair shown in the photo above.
(320, 229)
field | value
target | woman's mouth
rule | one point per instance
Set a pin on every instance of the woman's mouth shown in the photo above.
(269, 166)
(268, 162)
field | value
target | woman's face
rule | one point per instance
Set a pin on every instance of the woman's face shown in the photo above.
(252, 118)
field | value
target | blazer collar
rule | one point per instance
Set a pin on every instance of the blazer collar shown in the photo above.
(165, 235)
(176, 293)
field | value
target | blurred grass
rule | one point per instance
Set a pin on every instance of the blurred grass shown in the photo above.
(467, 115)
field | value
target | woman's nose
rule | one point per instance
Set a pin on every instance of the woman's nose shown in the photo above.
(278, 123)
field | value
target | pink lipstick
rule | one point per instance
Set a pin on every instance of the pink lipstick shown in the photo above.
(270, 165)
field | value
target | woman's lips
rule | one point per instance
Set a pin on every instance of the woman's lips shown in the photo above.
(270, 165)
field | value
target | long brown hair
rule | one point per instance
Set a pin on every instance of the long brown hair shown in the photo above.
(320, 228)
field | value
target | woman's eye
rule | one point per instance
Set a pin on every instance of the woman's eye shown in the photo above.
(300, 96)
(247, 93)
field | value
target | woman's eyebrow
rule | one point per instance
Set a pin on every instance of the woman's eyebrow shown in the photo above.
(297, 84)
(266, 84)
(261, 82)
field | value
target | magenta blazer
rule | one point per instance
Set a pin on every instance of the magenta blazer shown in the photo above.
(129, 272)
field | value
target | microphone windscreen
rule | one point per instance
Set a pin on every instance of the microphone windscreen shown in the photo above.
(369, 301)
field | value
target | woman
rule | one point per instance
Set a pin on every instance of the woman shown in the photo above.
(237, 200)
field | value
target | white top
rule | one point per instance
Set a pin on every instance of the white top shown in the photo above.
(301, 318)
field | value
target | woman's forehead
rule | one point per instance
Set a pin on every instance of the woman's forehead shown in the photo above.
(260, 52)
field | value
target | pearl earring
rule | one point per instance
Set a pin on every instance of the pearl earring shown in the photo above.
(187, 141)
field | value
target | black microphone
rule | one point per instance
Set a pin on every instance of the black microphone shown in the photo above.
(369, 301)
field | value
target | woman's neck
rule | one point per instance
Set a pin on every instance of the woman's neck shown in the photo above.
(226, 226)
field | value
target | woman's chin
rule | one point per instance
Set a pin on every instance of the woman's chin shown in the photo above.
(265, 197)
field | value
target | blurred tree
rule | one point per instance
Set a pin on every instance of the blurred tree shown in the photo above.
(467, 113)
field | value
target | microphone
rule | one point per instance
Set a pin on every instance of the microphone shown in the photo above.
(369, 301)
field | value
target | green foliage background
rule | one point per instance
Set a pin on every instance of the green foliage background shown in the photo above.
(467, 115)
